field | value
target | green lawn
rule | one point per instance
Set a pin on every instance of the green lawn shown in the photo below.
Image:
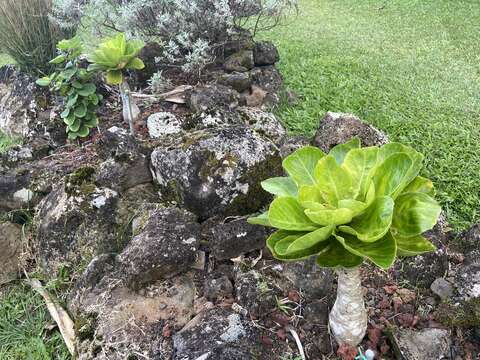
(409, 67)
(26, 328)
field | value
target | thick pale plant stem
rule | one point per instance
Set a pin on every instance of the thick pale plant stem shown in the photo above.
(127, 104)
(348, 318)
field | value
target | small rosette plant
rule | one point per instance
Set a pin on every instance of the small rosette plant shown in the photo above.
(75, 84)
(114, 55)
(351, 205)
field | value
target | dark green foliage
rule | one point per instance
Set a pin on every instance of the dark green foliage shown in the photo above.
(75, 84)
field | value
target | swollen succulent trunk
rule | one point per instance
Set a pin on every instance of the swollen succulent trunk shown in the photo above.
(348, 318)
(127, 104)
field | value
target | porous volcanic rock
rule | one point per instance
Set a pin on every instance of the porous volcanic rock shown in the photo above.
(76, 222)
(11, 245)
(218, 334)
(216, 96)
(217, 171)
(269, 79)
(264, 123)
(236, 80)
(424, 344)
(338, 128)
(230, 240)
(164, 245)
(241, 61)
(265, 53)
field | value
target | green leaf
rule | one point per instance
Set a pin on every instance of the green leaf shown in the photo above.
(87, 89)
(44, 81)
(69, 73)
(77, 84)
(361, 164)
(282, 239)
(81, 110)
(75, 125)
(330, 216)
(374, 223)
(390, 149)
(83, 131)
(69, 119)
(72, 135)
(72, 100)
(96, 67)
(356, 207)
(65, 113)
(287, 214)
(420, 184)
(301, 164)
(280, 186)
(58, 60)
(412, 246)
(261, 219)
(91, 122)
(335, 255)
(114, 77)
(305, 244)
(391, 176)
(382, 252)
(414, 214)
(334, 182)
(136, 64)
(310, 197)
(340, 151)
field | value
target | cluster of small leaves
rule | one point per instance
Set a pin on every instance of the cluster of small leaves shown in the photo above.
(350, 205)
(75, 84)
(192, 31)
(114, 55)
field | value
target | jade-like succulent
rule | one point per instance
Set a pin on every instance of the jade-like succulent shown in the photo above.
(351, 205)
(114, 55)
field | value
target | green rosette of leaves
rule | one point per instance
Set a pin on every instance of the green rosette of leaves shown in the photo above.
(351, 205)
(114, 55)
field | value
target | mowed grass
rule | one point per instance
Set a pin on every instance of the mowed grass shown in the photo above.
(409, 67)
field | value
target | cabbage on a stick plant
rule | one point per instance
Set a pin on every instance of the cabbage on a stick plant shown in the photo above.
(113, 56)
(352, 205)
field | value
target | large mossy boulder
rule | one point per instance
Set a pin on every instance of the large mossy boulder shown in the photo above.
(217, 171)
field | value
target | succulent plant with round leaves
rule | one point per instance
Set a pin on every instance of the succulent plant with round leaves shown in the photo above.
(348, 206)
(113, 56)
(75, 84)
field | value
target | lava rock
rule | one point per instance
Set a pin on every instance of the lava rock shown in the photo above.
(424, 344)
(468, 243)
(162, 123)
(338, 128)
(166, 245)
(212, 119)
(17, 102)
(11, 245)
(114, 322)
(218, 334)
(306, 276)
(236, 80)
(289, 144)
(241, 61)
(217, 171)
(264, 123)
(15, 192)
(265, 53)
(209, 97)
(238, 43)
(270, 80)
(255, 293)
(442, 288)
(149, 53)
(216, 288)
(230, 240)
(116, 142)
(76, 221)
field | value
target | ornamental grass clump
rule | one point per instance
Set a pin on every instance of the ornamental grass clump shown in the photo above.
(352, 205)
(28, 35)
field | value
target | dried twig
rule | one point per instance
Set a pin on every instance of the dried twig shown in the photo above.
(297, 341)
